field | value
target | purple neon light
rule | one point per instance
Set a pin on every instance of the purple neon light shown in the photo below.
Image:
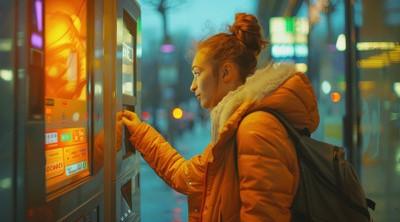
(167, 48)
(39, 14)
(36, 40)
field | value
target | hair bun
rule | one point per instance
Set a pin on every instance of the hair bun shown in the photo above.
(247, 29)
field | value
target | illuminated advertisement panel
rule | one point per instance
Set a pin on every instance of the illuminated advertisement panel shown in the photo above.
(289, 40)
(66, 101)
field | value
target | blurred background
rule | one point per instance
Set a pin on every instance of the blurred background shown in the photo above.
(356, 80)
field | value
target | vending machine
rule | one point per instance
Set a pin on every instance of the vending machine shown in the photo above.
(127, 79)
(62, 179)
(68, 69)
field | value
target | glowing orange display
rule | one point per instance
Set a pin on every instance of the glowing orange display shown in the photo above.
(65, 48)
(66, 104)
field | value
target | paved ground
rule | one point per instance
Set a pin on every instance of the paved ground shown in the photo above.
(159, 203)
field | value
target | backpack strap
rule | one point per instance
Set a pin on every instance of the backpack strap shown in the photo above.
(294, 133)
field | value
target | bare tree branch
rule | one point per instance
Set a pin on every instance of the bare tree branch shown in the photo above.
(164, 4)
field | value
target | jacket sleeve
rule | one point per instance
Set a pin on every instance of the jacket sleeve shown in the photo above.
(267, 169)
(185, 176)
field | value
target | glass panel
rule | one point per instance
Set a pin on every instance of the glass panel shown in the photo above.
(327, 68)
(378, 65)
(66, 102)
(128, 56)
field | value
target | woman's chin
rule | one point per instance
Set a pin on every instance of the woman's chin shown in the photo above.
(203, 104)
(206, 106)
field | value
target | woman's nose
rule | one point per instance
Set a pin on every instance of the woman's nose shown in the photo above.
(193, 86)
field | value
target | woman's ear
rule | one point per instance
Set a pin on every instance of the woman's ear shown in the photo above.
(229, 72)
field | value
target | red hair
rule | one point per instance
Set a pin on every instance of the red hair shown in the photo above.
(241, 45)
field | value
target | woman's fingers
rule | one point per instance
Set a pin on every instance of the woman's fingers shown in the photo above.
(130, 124)
(130, 115)
(127, 121)
(130, 120)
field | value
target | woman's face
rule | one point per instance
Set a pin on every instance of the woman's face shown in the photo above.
(205, 82)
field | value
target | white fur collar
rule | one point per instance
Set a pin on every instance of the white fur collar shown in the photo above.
(256, 87)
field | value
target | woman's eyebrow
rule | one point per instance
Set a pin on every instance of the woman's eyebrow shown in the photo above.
(196, 67)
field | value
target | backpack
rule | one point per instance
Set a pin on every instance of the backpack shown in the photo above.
(328, 190)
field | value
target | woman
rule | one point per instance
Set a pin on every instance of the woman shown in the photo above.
(249, 171)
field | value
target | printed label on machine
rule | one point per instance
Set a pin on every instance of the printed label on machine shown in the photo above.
(75, 159)
(54, 163)
(75, 168)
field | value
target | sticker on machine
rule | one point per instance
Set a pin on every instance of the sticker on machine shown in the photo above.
(76, 159)
(54, 163)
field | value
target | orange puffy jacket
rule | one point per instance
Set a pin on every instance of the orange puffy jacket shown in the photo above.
(258, 180)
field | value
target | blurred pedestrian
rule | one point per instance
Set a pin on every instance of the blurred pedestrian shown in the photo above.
(249, 171)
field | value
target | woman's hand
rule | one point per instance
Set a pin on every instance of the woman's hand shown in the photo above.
(131, 121)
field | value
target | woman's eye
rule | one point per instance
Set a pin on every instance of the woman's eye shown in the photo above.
(196, 73)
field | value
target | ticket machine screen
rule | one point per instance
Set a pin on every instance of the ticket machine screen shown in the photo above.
(66, 99)
(128, 56)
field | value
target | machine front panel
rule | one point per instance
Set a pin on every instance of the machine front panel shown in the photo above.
(66, 99)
